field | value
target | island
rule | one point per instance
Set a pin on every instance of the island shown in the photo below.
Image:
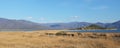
(94, 27)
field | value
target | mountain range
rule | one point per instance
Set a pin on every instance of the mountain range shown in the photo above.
(9, 24)
(16, 25)
(73, 25)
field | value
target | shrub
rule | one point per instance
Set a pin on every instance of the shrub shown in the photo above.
(61, 33)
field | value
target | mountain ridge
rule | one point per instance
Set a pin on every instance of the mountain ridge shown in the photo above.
(12, 24)
(73, 25)
(9, 24)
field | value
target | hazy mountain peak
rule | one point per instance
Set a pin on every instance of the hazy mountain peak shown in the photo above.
(8, 24)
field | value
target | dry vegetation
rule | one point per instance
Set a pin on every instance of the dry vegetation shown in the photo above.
(58, 39)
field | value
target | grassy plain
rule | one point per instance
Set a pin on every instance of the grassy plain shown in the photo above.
(39, 39)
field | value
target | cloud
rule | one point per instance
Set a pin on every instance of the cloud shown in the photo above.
(75, 17)
(100, 7)
(29, 17)
(42, 19)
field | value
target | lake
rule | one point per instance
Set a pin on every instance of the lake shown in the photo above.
(104, 31)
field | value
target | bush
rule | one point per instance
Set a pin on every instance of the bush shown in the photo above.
(61, 33)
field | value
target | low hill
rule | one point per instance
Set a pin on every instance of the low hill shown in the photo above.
(93, 26)
(74, 25)
(19, 25)
(11, 25)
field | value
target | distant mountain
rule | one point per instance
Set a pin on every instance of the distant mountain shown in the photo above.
(73, 25)
(8, 24)
(91, 27)
(114, 25)
(101, 24)
(70, 25)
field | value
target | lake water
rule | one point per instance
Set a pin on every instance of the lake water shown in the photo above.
(104, 31)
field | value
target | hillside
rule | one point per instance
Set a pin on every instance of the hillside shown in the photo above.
(70, 25)
(93, 27)
(114, 24)
(12, 25)
(74, 25)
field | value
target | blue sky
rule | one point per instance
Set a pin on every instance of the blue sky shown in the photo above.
(51, 11)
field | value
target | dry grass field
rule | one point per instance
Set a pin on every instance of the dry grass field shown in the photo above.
(49, 39)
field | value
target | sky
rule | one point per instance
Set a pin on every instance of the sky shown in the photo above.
(54, 11)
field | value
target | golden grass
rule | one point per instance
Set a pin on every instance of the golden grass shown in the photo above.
(38, 39)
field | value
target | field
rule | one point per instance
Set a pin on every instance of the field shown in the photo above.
(58, 39)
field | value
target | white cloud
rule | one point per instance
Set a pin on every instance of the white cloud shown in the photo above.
(42, 19)
(75, 17)
(29, 17)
